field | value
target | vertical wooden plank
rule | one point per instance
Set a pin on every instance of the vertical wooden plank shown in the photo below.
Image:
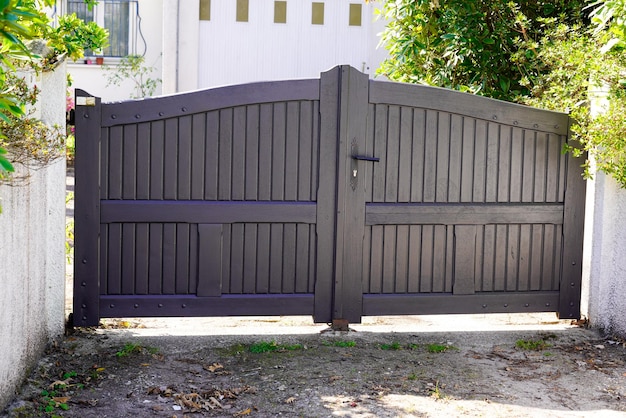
(456, 158)
(104, 246)
(305, 150)
(393, 154)
(553, 170)
(417, 155)
(157, 155)
(415, 251)
(389, 258)
(182, 259)
(289, 259)
(142, 259)
(326, 195)
(225, 159)
(380, 151)
(427, 259)
(525, 237)
(312, 259)
(500, 260)
(212, 154)
(265, 151)
(402, 259)
(238, 169)
(143, 161)
(236, 259)
(263, 259)
(278, 151)
(276, 260)
(504, 165)
(480, 161)
(184, 158)
(367, 259)
(430, 156)
(292, 151)
(252, 154)
(492, 162)
(562, 171)
(315, 150)
(114, 260)
(249, 258)
(170, 164)
(226, 257)
(528, 169)
(548, 254)
(128, 259)
(376, 260)
(369, 150)
(353, 96)
(198, 129)
(488, 261)
(467, 159)
(478, 265)
(541, 160)
(193, 258)
(87, 215)
(405, 153)
(517, 155)
(210, 260)
(536, 256)
(302, 258)
(104, 163)
(443, 157)
(155, 266)
(464, 259)
(512, 265)
(169, 259)
(116, 162)
(439, 258)
(559, 256)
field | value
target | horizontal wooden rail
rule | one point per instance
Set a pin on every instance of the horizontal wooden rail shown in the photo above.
(462, 214)
(201, 212)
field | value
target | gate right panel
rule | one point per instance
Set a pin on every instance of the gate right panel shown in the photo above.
(465, 210)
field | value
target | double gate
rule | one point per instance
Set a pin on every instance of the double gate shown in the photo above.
(335, 197)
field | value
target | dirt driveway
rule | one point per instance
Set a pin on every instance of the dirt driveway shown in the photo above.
(488, 366)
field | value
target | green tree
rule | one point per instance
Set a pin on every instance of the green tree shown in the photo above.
(485, 47)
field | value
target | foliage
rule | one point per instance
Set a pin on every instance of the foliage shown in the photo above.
(269, 346)
(484, 47)
(73, 36)
(133, 68)
(29, 139)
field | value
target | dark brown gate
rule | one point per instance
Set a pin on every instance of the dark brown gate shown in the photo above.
(336, 198)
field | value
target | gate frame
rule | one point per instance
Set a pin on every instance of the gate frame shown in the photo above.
(344, 96)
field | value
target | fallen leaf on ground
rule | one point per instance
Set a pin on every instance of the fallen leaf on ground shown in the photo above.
(213, 367)
(290, 400)
(243, 413)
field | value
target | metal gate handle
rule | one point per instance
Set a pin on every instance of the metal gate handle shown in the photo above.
(365, 158)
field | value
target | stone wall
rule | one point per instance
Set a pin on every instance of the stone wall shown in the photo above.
(32, 253)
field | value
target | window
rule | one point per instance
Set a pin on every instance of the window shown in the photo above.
(205, 9)
(118, 16)
(242, 11)
(355, 14)
(280, 12)
(317, 13)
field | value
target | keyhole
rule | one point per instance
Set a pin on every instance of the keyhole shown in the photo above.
(353, 173)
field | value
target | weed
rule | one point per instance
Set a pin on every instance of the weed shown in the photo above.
(269, 346)
(439, 348)
(392, 346)
(131, 348)
(342, 344)
(51, 401)
(436, 391)
(532, 345)
(412, 376)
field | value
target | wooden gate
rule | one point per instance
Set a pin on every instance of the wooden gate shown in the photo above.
(336, 198)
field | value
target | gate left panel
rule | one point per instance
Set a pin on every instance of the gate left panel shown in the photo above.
(207, 204)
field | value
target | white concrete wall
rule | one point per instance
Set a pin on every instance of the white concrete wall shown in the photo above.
(604, 259)
(92, 78)
(32, 254)
(233, 52)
